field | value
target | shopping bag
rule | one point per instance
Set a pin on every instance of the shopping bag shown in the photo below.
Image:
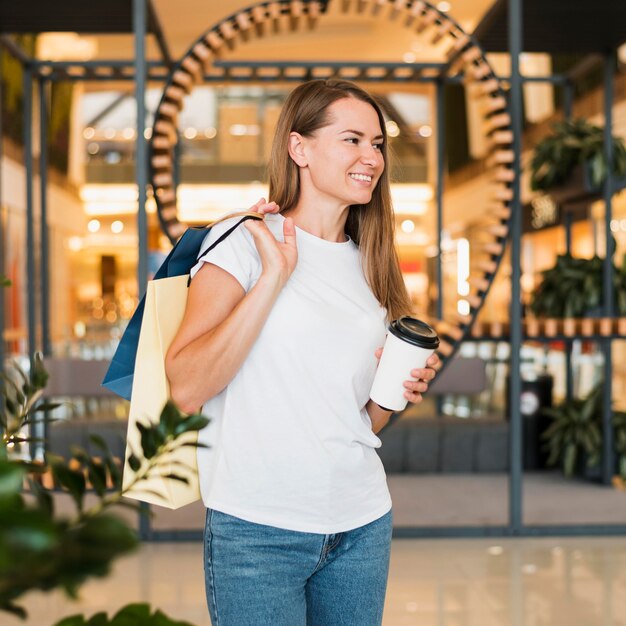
(163, 312)
(145, 348)
(182, 257)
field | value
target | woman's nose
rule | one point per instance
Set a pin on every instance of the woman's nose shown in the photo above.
(370, 155)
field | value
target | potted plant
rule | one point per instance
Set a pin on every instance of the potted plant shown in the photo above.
(41, 550)
(574, 439)
(574, 288)
(570, 163)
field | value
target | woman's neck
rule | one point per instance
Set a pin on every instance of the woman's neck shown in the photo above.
(323, 219)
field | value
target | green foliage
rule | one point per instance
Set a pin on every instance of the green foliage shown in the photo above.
(573, 288)
(576, 432)
(20, 397)
(4, 281)
(574, 142)
(42, 551)
(130, 615)
(12, 76)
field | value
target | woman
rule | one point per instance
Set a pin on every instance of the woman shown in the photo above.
(298, 526)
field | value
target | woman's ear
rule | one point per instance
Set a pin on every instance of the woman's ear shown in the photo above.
(296, 149)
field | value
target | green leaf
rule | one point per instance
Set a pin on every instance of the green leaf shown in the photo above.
(137, 611)
(148, 440)
(569, 459)
(11, 478)
(99, 619)
(72, 480)
(134, 462)
(10, 607)
(42, 496)
(181, 479)
(170, 417)
(96, 472)
(38, 374)
(114, 472)
(73, 620)
(99, 442)
(192, 423)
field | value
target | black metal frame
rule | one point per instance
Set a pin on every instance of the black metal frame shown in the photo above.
(46, 72)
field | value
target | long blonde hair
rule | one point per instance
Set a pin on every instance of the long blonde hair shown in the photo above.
(371, 225)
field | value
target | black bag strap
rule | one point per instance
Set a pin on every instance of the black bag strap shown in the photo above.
(246, 216)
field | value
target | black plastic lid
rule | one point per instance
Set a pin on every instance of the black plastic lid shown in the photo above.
(416, 332)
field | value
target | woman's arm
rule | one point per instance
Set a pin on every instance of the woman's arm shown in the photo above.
(222, 322)
(220, 325)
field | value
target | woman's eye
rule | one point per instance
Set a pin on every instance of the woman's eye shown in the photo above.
(352, 139)
(378, 146)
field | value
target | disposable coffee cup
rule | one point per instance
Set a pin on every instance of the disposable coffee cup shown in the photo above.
(408, 345)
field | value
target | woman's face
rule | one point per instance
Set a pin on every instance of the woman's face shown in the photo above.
(344, 159)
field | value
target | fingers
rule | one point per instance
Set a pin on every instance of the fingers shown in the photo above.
(434, 362)
(264, 207)
(414, 390)
(255, 207)
(421, 377)
(289, 232)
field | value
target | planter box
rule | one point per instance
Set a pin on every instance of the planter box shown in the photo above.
(579, 189)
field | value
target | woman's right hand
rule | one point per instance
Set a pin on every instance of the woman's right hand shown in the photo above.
(278, 259)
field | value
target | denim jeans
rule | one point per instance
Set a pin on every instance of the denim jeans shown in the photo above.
(258, 575)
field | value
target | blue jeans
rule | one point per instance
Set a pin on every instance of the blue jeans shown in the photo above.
(258, 575)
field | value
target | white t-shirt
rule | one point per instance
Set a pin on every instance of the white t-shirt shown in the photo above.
(291, 443)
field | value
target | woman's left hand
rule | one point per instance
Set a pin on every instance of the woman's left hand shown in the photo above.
(420, 377)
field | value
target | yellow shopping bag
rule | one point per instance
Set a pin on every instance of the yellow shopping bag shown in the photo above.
(164, 308)
(163, 313)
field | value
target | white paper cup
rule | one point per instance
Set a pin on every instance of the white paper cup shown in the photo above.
(408, 345)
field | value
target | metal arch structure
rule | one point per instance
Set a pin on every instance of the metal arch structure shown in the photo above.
(207, 57)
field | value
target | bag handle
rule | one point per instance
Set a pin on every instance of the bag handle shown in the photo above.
(244, 216)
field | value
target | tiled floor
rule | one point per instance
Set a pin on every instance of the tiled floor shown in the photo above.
(445, 582)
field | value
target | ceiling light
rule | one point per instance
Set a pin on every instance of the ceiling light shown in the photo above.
(128, 133)
(75, 244)
(62, 46)
(238, 130)
(93, 148)
(408, 226)
(93, 226)
(89, 132)
(392, 128)
(117, 226)
(444, 7)
(209, 133)
(463, 307)
(425, 131)
(409, 57)
(190, 133)
(495, 550)
(109, 133)
(147, 133)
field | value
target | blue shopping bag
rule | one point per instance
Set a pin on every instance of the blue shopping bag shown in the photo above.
(180, 260)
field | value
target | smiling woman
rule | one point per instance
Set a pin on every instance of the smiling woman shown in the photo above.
(284, 360)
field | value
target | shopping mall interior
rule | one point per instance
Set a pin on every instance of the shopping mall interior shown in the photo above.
(122, 124)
